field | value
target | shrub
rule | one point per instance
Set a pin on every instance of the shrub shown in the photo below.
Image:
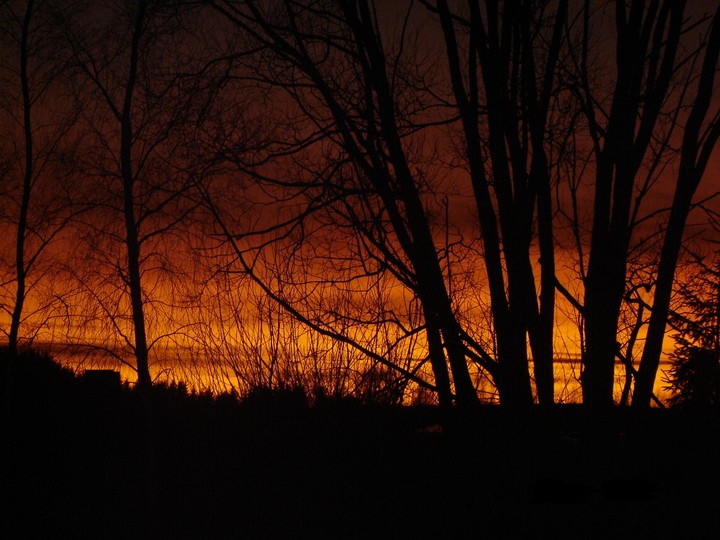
(695, 377)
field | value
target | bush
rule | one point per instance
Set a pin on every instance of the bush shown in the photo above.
(695, 377)
(33, 373)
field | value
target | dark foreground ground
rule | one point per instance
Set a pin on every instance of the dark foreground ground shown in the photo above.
(84, 462)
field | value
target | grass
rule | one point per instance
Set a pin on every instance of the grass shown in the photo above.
(93, 464)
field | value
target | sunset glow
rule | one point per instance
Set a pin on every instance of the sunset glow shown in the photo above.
(359, 269)
(320, 198)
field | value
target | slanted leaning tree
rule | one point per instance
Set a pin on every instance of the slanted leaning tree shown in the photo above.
(334, 64)
(699, 140)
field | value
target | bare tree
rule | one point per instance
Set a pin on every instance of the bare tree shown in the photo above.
(136, 77)
(38, 200)
(509, 83)
(335, 68)
(700, 136)
(646, 58)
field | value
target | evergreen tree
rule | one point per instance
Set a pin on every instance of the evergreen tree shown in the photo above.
(695, 373)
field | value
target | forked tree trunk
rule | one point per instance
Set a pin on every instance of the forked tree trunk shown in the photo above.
(647, 42)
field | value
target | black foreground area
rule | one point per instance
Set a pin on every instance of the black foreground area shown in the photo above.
(85, 461)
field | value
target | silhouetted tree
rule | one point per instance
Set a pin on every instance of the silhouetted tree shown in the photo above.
(338, 68)
(695, 373)
(136, 78)
(625, 139)
(504, 97)
(337, 72)
(699, 140)
(326, 145)
(37, 116)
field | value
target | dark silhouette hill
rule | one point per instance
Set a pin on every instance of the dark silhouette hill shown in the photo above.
(85, 460)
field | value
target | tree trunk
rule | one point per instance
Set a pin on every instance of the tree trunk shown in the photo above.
(647, 40)
(541, 332)
(431, 284)
(437, 360)
(421, 248)
(132, 240)
(502, 48)
(691, 170)
(20, 269)
(604, 290)
(645, 379)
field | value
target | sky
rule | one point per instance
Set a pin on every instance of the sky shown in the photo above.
(79, 286)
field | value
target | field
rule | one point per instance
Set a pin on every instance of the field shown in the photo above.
(90, 461)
